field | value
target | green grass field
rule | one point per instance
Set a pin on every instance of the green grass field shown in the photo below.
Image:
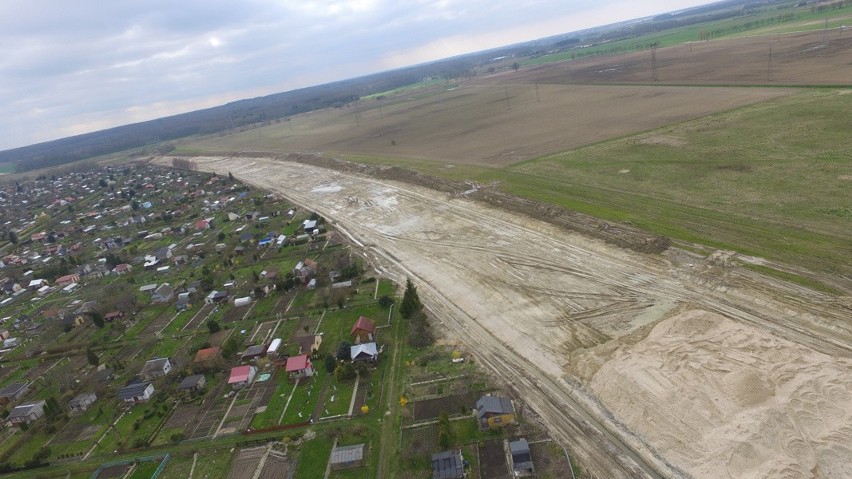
(765, 22)
(770, 179)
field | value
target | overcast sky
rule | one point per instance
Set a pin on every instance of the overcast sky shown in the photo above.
(70, 67)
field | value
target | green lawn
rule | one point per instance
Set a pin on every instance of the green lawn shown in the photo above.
(338, 397)
(209, 464)
(304, 399)
(270, 416)
(314, 458)
(144, 470)
(29, 448)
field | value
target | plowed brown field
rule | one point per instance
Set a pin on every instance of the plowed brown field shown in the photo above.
(808, 58)
(490, 125)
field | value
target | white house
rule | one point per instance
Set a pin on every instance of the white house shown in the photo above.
(155, 368)
(26, 413)
(136, 393)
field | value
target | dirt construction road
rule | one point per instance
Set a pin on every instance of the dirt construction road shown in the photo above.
(645, 366)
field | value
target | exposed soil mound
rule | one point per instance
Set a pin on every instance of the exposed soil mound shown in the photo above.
(619, 235)
(729, 400)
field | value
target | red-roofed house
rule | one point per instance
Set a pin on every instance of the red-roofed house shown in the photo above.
(38, 236)
(202, 225)
(67, 279)
(364, 330)
(299, 366)
(209, 359)
(113, 315)
(242, 376)
(122, 268)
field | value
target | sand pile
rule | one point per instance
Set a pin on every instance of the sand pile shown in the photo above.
(722, 399)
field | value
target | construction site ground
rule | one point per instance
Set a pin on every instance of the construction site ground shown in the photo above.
(643, 364)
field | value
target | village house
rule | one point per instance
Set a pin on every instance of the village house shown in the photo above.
(347, 457)
(63, 281)
(81, 402)
(162, 294)
(122, 268)
(208, 357)
(36, 284)
(26, 413)
(183, 302)
(364, 352)
(493, 412)
(216, 297)
(299, 367)
(196, 382)
(253, 352)
(136, 392)
(155, 368)
(241, 376)
(364, 330)
(71, 320)
(113, 315)
(13, 392)
(522, 464)
(309, 344)
(448, 465)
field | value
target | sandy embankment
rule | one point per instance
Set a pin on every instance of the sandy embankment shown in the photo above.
(709, 392)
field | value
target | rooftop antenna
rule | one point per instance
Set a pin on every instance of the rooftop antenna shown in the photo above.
(508, 104)
(537, 98)
(825, 31)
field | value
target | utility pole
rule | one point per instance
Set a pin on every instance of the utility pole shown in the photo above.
(769, 66)
(654, 62)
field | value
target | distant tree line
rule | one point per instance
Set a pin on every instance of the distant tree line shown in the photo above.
(233, 115)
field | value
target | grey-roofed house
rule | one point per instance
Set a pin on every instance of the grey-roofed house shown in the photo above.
(195, 382)
(26, 413)
(155, 368)
(163, 294)
(13, 392)
(522, 464)
(346, 457)
(82, 401)
(494, 412)
(135, 393)
(253, 352)
(448, 465)
(103, 375)
(309, 344)
(364, 352)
